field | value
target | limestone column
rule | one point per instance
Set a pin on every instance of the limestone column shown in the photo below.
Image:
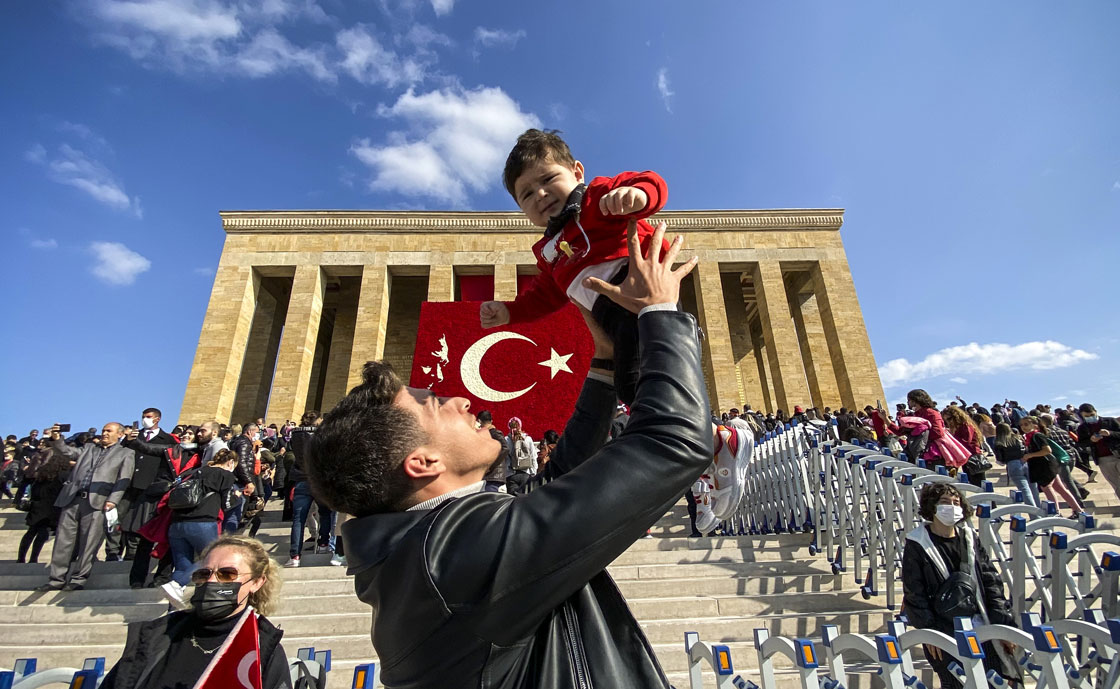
(782, 347)
(505, 281)
(260, 354)
(441, 283)
(762, 365)
(212, 384)
(369, 322)
(719, 364)
(297, 348)
(814, 351)
(742, 349)
(857, 375)
(342, 344)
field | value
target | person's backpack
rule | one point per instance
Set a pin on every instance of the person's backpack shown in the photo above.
(187, 492)
(522, 459)
(1057, 451)
(302, 677)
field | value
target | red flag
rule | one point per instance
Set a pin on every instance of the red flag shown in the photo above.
(533, 371)
(237, 664)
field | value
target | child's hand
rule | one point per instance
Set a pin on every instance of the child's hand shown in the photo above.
(493, 313)
(623, 201)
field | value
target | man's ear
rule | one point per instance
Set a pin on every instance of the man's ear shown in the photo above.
(577, 170)
(423, 464)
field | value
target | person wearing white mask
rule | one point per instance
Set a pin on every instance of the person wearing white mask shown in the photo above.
(150, 480)
(946, 574)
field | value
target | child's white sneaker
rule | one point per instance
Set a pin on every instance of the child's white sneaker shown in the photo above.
(729, 470)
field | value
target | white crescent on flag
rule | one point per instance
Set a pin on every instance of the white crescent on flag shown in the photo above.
(243, 668)
(472, 359)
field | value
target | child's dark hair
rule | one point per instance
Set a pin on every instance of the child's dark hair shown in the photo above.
(932, 493)
(535, 146)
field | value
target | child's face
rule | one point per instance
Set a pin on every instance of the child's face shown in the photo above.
(543, 187)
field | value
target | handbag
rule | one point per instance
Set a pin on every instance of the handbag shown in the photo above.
(976, 464)
(187, 492)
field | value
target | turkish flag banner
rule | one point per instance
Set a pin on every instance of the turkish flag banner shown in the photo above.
(533, 371)
(237, 665)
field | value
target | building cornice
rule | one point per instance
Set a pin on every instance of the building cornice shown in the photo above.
(507, 222)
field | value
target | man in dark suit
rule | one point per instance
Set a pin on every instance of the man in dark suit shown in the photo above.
(151, 478)
(97, 482)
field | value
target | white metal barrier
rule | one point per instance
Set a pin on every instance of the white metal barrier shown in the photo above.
(1039, 656)
(859, 503)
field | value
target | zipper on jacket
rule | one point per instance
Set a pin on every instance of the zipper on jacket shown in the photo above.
(575, 647)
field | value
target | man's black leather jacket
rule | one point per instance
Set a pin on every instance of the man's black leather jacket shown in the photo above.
(493, 590)
(242, 445)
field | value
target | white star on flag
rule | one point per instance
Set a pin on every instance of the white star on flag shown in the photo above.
(556, 363)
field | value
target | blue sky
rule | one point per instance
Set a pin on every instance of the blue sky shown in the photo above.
(974, 146)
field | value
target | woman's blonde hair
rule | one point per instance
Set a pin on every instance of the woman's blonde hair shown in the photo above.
(264, 600)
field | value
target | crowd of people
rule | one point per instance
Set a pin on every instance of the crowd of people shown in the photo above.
(144, 493)
(1039, 447)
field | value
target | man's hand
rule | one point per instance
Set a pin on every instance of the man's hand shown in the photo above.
(110, 506)
(131, 433)
(651, 279)
(493, 314)
(1104, 432)
(1009, 647)
(604, 348)
(54, 433)
(248, 490)
(623, 201)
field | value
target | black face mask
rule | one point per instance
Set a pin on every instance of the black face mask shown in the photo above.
(214, 600)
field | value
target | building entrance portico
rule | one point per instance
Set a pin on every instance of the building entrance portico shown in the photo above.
(302, 299)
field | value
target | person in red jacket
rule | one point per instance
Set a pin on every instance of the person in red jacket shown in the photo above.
(584, 242)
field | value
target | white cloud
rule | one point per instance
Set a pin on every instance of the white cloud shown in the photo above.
(497, 37)
(269, 53)
(983, 359)
(958, 380)
(225, 36)
(1061, 398)
(207, 272)
(1116, 185)
(76, 169)
(369, 62)
(44, 244)
(459, 141)
(442, 7)
(116, 264)
(663, 88)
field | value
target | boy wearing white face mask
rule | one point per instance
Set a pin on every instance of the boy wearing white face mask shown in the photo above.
(946, 574)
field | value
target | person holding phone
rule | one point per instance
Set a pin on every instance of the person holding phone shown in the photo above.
(1100, 437)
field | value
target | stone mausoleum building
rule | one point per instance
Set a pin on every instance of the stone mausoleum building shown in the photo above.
(302, 299)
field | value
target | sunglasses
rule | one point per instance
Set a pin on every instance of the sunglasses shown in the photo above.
(224, 575)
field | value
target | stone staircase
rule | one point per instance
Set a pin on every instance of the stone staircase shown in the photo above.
(721, 587)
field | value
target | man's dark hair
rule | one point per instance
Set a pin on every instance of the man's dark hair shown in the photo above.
(535, 146)
(1087, 409)
(357, 454)
(309, 418)
(551, 437)
(152, 410)
(932, 494)
(484, 417)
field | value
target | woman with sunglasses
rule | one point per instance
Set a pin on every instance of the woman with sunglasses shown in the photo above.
(172, 651)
